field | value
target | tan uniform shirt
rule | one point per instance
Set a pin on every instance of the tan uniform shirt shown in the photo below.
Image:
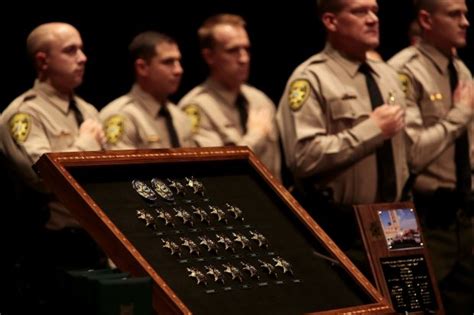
(133, 122)
(328, 138)
(216, 121)
(437, 122)
(37, 122)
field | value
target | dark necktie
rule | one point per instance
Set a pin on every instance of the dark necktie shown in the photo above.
(386, 176)
(241, 104)
(76, 111)
(461, 146)
(174, 141)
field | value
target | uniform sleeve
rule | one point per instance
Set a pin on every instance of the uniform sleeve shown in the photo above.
(205, 133)
(16, 154)
(121, 132)
(427, 142)
(37, 143)
(311, 145)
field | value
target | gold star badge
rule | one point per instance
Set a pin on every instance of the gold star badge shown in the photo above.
(20, 126)
(405, 81)
(298, 94)
(114, 128)
(192, 110)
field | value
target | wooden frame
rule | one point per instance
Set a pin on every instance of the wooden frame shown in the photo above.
(398, 257)
(55, 169)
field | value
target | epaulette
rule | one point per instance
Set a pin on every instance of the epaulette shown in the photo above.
(403, 57)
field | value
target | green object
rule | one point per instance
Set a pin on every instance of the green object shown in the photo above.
(129, 296)
(107, 292)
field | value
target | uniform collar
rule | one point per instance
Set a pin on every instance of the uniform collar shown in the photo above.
(145, 100)
(439, 59)
(52, 95)
(348, 65)
(228, 97)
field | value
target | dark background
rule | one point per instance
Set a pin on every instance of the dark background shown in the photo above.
(283, 34)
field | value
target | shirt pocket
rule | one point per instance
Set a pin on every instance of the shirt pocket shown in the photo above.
(432, 108)
(153, 140)
(345, 113)
(61, 138)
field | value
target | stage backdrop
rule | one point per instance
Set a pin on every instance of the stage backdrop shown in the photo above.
(283, 34)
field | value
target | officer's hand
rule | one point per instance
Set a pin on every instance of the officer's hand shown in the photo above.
(259, 121)
(389, 118)
(464, 95)
(93, 129)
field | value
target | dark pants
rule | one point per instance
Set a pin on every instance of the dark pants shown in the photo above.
(446, 220)
(340, 223)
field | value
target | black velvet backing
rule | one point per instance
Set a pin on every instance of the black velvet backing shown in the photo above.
(317, 284)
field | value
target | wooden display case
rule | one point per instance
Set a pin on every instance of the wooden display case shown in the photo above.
(398, 257)
(284, 262)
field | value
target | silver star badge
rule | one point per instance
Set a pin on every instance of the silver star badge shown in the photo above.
(253, 273)
(268, 267)
(198, 275)
(227, 242)
(261, 240)
(195, 185)
(189, 243)
(242, 240)
(283, 264)
(233, 271)
(177, 186)
(215, 273)
(235, 211)
(184, 215)
(165, 216)
(209, 243)
(172, 246)
(218, 213)
(203, 215)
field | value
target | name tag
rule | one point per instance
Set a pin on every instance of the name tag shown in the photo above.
(153, 138)
(348, 97)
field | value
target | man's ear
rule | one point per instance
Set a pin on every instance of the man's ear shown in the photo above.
(208, 55)
(330, 21)
(41, 60)
(141, 67)
(425, 20)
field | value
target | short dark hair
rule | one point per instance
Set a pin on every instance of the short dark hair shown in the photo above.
(205, 32)
(329, 6)
(427, 5)
(144, 44)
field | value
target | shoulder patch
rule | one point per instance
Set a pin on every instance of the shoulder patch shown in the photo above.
(20, 126)
(114, 128)
(404, 81)
(192, 111)
(298, 93)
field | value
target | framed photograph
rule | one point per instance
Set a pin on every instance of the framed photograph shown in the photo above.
(393, 239)
(400, 228)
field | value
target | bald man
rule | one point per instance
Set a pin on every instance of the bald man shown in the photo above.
(50, 118)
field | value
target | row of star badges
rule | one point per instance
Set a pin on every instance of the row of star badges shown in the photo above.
(158, 188)
(236, 271)
(189, 218)
(228, 242)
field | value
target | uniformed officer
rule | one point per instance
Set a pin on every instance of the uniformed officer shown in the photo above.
(225, 110)
(48, 118)
(440, 96)
(341, 120)
(145, 118)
